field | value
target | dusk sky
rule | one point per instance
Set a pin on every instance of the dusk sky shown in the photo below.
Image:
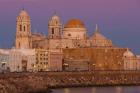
(119, 20)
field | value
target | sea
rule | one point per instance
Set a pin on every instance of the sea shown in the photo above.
(117, 89)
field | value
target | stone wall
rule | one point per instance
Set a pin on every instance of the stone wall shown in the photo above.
(101, 58)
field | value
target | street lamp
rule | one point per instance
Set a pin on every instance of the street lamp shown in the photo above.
(93, 66)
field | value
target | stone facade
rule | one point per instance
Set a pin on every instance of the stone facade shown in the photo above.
(71, 64)
(99, 58)
(55, 60)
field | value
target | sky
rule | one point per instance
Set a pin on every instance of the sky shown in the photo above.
(118, 20)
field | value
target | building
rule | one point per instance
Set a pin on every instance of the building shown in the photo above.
(41, 63)
(4, 60)
(98, 40)
(67, 47)
(97, 58)
(22, 60)
(55, 60)
(23, 31)
(131, 61)
(138, 61)
(72, 35)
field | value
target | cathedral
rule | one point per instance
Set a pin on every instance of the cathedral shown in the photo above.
(73, 34)
(67, 47)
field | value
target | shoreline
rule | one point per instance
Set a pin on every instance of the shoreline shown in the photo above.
(45, 81)
(83, 86)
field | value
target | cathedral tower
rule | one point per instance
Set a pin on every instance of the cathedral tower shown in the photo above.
(55, 28)
(23, 31)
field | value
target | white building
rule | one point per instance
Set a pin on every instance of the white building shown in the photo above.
(22, 60)
(4, 59)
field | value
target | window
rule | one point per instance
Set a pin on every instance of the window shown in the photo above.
(56, 22)
(27, 27)
(20, 27)
(19, 44)
(69, 34)
(52, 30)
(24, 28)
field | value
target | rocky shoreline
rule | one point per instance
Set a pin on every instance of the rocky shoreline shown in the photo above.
(41, 82)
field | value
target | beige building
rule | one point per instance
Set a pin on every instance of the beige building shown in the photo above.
(41, 63)
(55, 60)
(131, 61)
(138, 61)
(48, 60)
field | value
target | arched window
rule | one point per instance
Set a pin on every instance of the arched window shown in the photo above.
(24, 28)
(69, 35)
(20, 27)
(56, 22)
(19, 44)
(27, 27)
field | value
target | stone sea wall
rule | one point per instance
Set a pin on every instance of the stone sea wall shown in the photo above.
(41, 81)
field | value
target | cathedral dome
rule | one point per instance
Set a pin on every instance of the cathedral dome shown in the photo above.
(128, 53)
(100, 40)
(23, 13)
(74, 29)
(98, 36)
(74, 23)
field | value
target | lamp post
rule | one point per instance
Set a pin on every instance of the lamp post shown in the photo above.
(93, 66)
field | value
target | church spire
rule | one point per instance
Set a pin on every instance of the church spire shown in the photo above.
(97, 28)
(55, 13)
(23, 8)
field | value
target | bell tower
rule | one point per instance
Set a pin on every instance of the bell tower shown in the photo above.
(23, 31)
(55, 27)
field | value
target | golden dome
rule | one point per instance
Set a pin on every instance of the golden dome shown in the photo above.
(74, 23)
